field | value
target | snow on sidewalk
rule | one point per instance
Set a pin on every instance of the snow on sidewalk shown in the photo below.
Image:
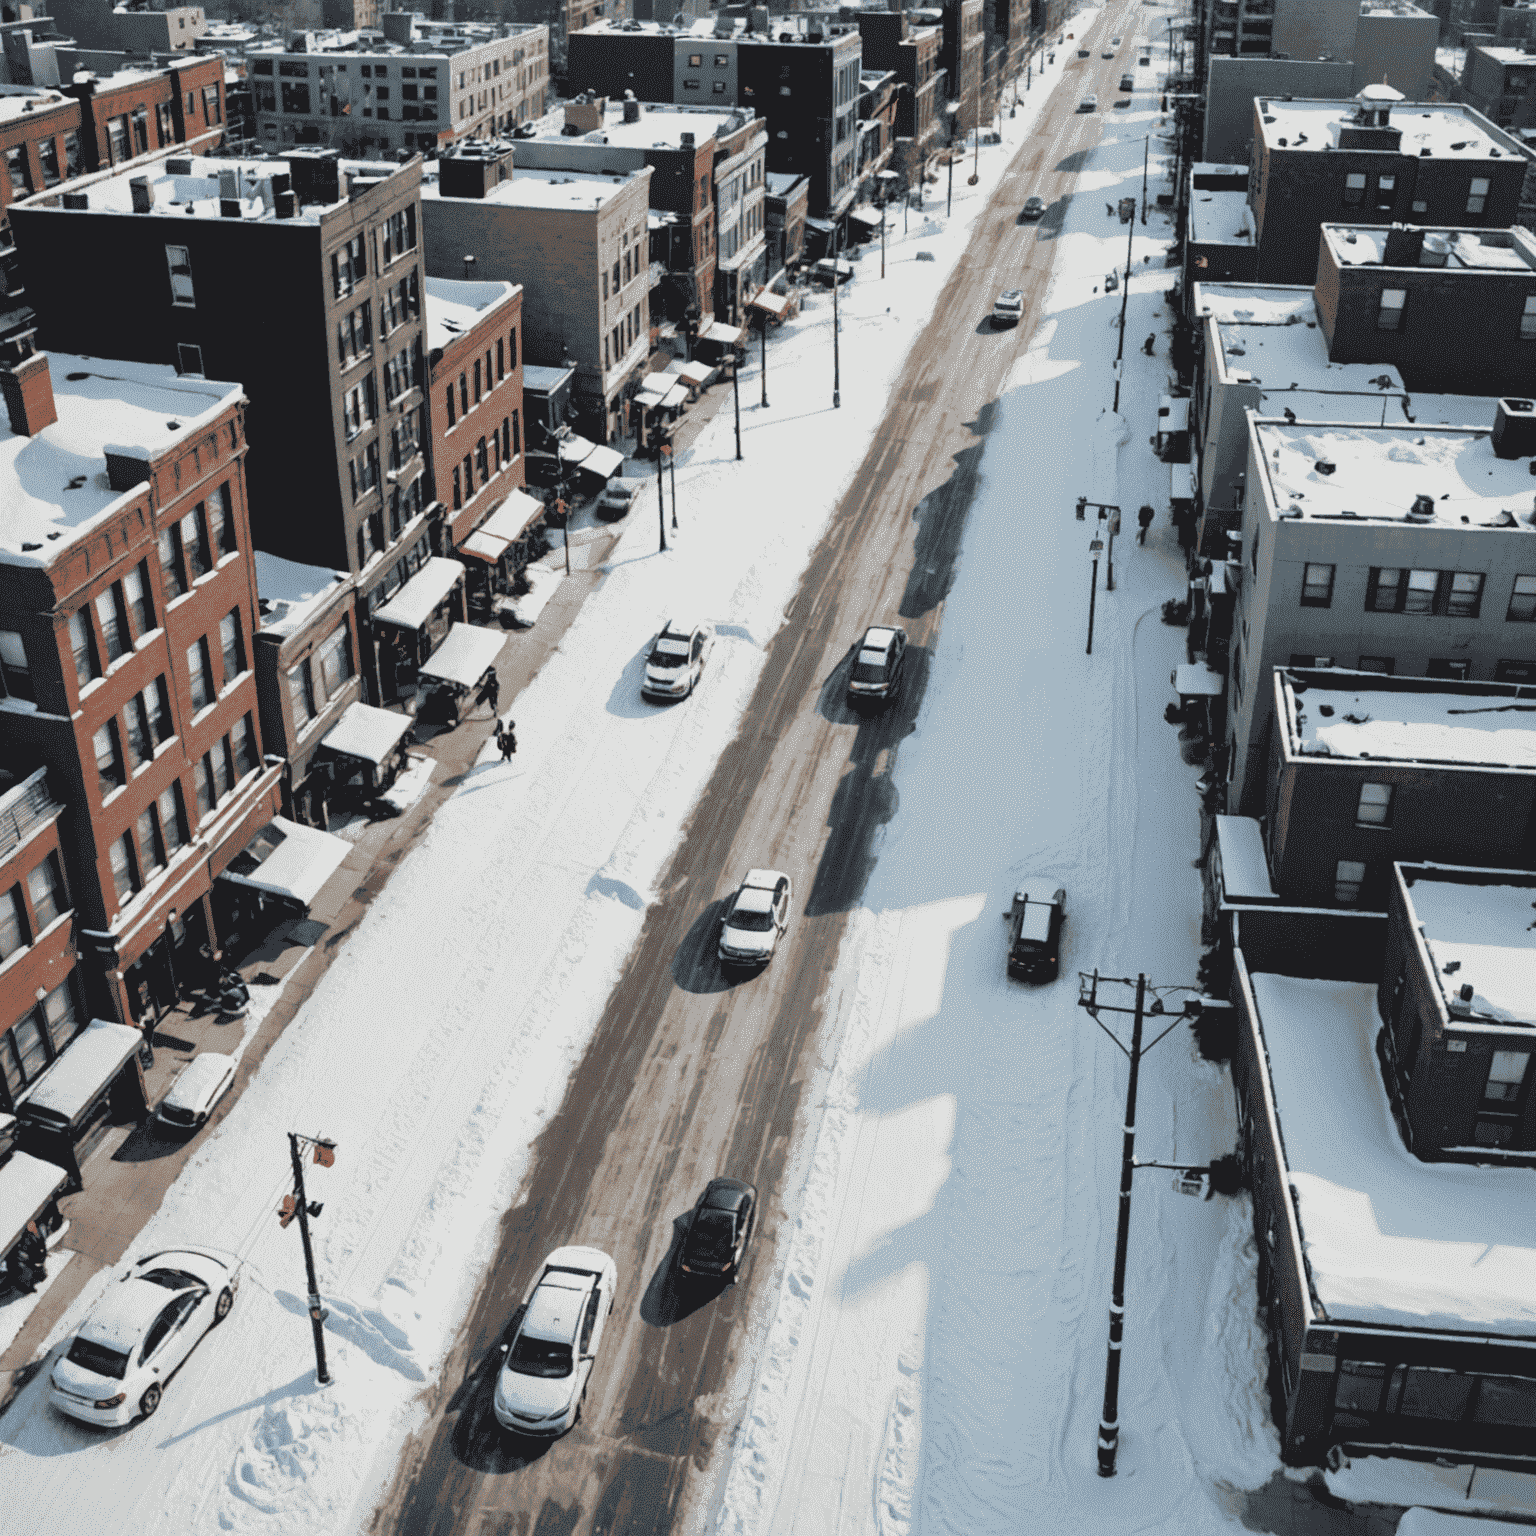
(441, 1039)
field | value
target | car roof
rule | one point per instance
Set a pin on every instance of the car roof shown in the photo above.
(1011, 293)
(765, 879)
(754, 898)
(198, 1079)
(554, 1310)
(672, 630)
(726, 1194)
(878, 637)
(123, 1315)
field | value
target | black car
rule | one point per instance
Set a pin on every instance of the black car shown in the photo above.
(878, 665)
(714, 1246)
(1034, 208)
(1034, 935)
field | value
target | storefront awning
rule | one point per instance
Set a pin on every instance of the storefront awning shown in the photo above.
(511, 519)
(574, 449)
(1193, 680)
(289, 860)
(697, 374)
(27, 1184)
(485, 546)
(366, 732)
(603, 462)
(412, 605)
(821, 226)
(869, 217)
(662, 389)
(94, 1057)
(647, 398)
(1181, 482)
(463, 657)
(776, 304)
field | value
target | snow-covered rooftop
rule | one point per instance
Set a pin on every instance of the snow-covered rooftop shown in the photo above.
(1479, 935)
(1406, 725)
(22, 101)
(1220, 218)
(1389, 1240)
(430, 40)
(703, 27)
(290, 593)
(1506, 54)
(54, 484)
(454, 307)
(566, 191)
(661, 126)
(1510, 250)
(1381, 473)
(1445, 129)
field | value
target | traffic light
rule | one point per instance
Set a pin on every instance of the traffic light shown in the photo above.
(325, 1153)
(1082, 508)
(287, 1210)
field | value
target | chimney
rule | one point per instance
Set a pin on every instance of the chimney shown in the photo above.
(687, 140)
(75, 199)
(631, 111)
(286, 205)
(28, 388)
(127, 465)
(142, 192)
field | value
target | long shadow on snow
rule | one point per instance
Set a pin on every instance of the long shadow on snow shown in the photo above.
(696, 966)
(670, 1297)
(479, 1441)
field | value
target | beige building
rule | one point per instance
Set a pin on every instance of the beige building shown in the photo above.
(577, 242)
(741, 259)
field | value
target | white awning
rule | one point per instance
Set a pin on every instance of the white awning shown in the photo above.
(512, 517)
(870, 217)
(774, 303)
(463, 657)
(698, 374)
(27, 1184)
(574, 449)
(605, 462)
(485, 546)
(647, 398)
(1194, 680)
(286, 859)
(1181, 482)
(718, 334)
(412, 605)
(1244, 867)
(367, 732)
(92, 1059)
(658, 383)
(1172, 415)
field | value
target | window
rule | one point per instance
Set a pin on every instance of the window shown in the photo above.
(1389, 309)
(399, 228)
(360, 406)
(1506, 1077)
(213, 111)
(1465, 599)
(399, 376)
(155, 703)
(364, 471)
(140, 124)
(349, 266)
(136, 595)
(117, 139)
(189, 359)
(482, 461)
(164, 126)
(15, 673)
(1522, 602)
(354, 336)
(695, 60)
(140, 743)
(151, 849)
(718, 87)
(501, 359)
(458, 489)
(1514, 672)
(31, 1053)
(399, 304)
(477, 381)
(335, 661)
(48, 157)
(1528, 320)
(296, 96)
(1383, 664)
(113, 619)
(1506, 1400)
(463, 395)
(178, 261)
(517, 434)
(1375, 807)
(16, 164)
(223, 768)
(1348, 877)
(242, 741)
(219, 521)
(74, 157)
(1316, 586)
(301, 697)
(13, 923)
(125, 868)
(452, 413)
(172, 567)
(1445, 667)
(46, 887)
(1428, 1393)
(193, 531)
(1477, 194)
(232, 645)
(200, 674)
(1354, 187)
(1456, 594)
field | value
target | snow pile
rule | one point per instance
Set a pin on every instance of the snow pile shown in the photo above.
(1482, 935)
(1437, 1486)
(1415, 727)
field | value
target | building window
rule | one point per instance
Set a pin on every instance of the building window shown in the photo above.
(178, 260)
(1389, 309)
(301, 697)
(453, 415)
(349, 266)
(125, 868)
(13, 923)
(113, 619)
(1443, 667)
(193, 531)
(335, 657)
(1316, 585)
(139, 121)
(117, 139)
(16, 164)
(48, 158)
(501, 359)
(219, 521)
(15, 673)
(172, 567)
(165, 128)
(399, 232)
(151, 849)
(1477, 194)
(1348, 877)
(458, 490)
(242, 742)
(360, 406)
(1505, 1400)
(1375, 807)
(1457, 594)
(231, 646)
(200, 674)
(482, 461)
(354, 335)
(1522, 601)
(399, 376)
(46, 887)
(202, 783)
(1506, 1077)
(296, 97)
(213, 111)
(1383, 664)
(1528, 320)
(137, 597)
(82, 642)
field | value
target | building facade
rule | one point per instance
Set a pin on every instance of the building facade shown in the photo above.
(1497, 78)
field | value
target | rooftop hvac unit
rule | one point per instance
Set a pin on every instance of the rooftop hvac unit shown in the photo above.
(1514, 429)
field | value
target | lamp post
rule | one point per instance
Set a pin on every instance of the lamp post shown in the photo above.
(298, 1205)
(1094, 547)
(1088, 1000)
(469, 266)
(736, 357)
(837, 373)
(661, 493)
(885, 178)
(762, 316)
(1146, 147)
(1125, 298)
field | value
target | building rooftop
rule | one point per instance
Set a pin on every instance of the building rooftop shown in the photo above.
(1479, 935)
(454, 307)
(291, 593)
(660, 126)
(568, 191)
(1391, 8)
(1451, 724)
(1506, 53)
(1390, 1241)
(55, 482)
(1220, 218)
(22, 101)
(1506, 250)
(438, 39)
(1441, 128)
(702, 27)
(1383, 474)
(197, 191)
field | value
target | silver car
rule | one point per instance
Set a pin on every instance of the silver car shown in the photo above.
(197, 1090)
(754, 918)
(677, 659)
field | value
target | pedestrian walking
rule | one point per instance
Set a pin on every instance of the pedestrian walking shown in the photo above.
(1149, 346)
(1144, 518)
(493, 690)
(506, 739)
(1109, 208)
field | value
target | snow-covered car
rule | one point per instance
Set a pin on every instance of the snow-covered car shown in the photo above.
(544, 1375)
(754, 918)
(1034, 208)
(1088, 104)
(1009, 308)
(719, 1229)
(197, 1089)
(1127, 83)
(1034, 935)
(617, 498)
(677, 659)
(140, 1332)
(879, 665)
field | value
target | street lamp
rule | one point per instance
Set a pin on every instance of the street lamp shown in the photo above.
(837, 373)
(1095, 548)
(737, 354)
(885, 178)
(469, 266)
(762, 316)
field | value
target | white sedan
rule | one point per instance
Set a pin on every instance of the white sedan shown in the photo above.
(143, 1328)
(677, 659)
(546, 1367)
(754, 918)
(197, 1090)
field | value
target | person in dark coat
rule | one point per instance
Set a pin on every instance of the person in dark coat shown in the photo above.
(1144, 518)
(1149, 346)
(506, 739)
(493, 691)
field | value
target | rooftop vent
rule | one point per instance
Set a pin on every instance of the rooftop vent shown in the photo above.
(1325, 466)
(631, 110)
(1436, 251)
(1514, 429)
(142, 190)
(75, 199)
(1423, 509)
(1460, 1005)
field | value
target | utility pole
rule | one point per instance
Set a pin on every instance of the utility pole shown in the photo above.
(661, 500)
(762, 315)
(1094, 546)
(1125, 298)
(837, 372)
(1088, 1000)
(949, 196)
(882, 239)
(1146, 148)
(736, 356)
(672, 462)
(297, 1205)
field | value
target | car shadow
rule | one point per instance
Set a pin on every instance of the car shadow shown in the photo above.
(671, 1297)
(696, 965)
(624, 698)
(832, 703)
(144, 1145)
(479, 1441)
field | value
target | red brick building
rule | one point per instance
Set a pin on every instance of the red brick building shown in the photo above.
(137, 111)
(128, 596)
(41, 142)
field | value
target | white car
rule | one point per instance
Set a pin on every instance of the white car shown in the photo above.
(544, 1375)
(117, 1365)
(676, 660)
(199, 1087)
(755, 917)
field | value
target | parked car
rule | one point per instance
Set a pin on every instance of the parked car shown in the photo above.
(879, 665)
(719, 1230)
(617, 498)
(1114, 42)
(143, 1328)
(1034, 935)
(1088, 104)
(1127, 83)
(1009, 308)
(198, 1088)
(1084, 53)
(547, 1365)
(1108, 53)
(754, 918)
(676, 661)
(1034, 208)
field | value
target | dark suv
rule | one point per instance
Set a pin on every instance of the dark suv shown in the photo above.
(719, 1230)
(1034, 935)
(878, 664)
